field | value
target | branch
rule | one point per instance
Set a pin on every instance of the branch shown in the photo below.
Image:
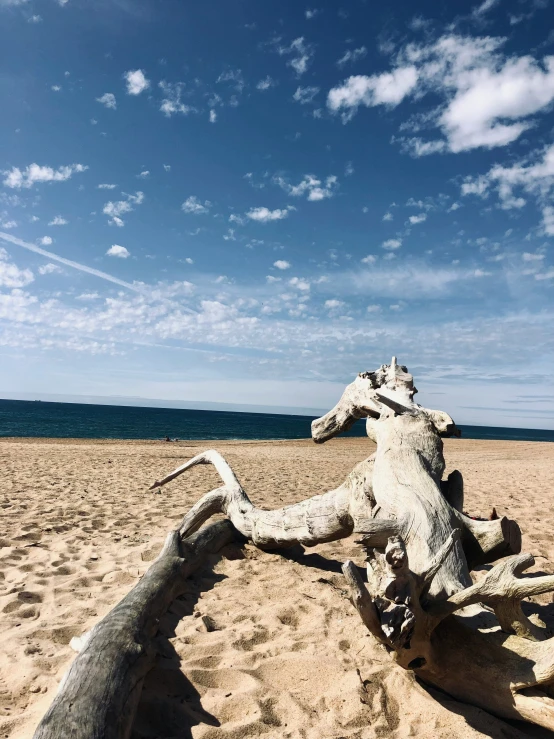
(362, 601)
(487, 541)
(502, 589)
(211, 456)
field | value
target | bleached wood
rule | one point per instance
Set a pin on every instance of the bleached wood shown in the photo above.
(420, 599)
(333, 515)
(99, 694)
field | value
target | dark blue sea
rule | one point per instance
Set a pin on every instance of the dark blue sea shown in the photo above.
(84, 421)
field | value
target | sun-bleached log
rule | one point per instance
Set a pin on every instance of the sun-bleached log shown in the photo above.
(433, 629)
(420, 600)
(99, 694)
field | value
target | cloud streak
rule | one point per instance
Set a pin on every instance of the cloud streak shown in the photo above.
(69, 262)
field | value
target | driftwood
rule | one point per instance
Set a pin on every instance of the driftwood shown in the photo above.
(471, 640)
(99, 695)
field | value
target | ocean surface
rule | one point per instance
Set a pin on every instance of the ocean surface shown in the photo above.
(84, 421)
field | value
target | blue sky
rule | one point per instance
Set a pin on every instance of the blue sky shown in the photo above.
(249, 202)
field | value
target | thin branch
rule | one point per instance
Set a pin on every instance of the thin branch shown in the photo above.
(362, 601)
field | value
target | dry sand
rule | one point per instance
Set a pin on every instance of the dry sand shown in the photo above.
(290, 657)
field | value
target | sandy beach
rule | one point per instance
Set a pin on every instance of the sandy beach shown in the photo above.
(289, 656)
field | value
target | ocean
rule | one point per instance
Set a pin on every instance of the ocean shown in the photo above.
(83, 421)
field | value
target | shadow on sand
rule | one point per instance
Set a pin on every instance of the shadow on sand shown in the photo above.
(170, 705)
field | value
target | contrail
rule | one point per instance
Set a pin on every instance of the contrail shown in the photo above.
(68, 262)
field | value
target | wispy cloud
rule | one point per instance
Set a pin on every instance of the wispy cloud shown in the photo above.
(300, 54)
(193, 205)
(489, 96)
(266, 83)
(305, 95)
(18, 179)
(114, 210)
(265, 215)
(172, 102)
(311, 186)
(351, 56)
(108, 100)
(68, 262)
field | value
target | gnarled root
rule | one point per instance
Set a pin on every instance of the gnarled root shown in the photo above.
(449, 651)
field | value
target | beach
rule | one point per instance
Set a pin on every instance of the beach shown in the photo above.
(288, 655)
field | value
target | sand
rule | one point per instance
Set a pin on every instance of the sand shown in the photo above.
(289, 656)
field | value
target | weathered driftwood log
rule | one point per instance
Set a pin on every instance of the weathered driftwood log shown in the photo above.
(99, 694)
(420, 600)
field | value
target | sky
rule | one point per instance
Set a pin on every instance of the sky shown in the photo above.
(250, 203)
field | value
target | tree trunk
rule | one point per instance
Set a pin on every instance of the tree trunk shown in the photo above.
(99, 694)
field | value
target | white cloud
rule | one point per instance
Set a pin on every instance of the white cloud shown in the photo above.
(46, 240)
(281, 264)
(193, 205)
(171, 102)
(88, 296)
(108, 99)
(34, 19)
(114, 210)
(370, 259)
(391, 244)
(488, 98)
(144, 174)
(535, 177)
(310, 186)
(266, 83)
(530, 257)
(56, 88)
(234, 77)
(548, 275)
(485, 6)
(388, 216)
(48, 269)
(299, 283)
(389, 88)
(374, 308)
(136, 82)
(58, 221)
(105, 186)
(118, 251)
(352, 56)
(167, 167)
(311, 13)
(548, 220)
(301, 54)
(213, 116)
(333, 304)
(10, 275)
(305, 95)
(414, 220)
(34, 173)
(8, 224)
(264, 215)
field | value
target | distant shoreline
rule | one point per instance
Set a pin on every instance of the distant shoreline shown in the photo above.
(24, 419)
(213, 443)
